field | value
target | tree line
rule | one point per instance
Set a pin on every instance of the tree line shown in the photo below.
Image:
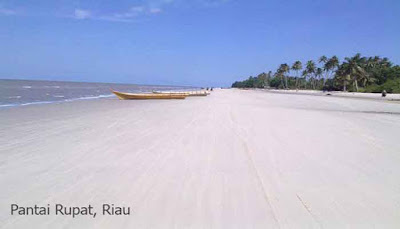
(356, 74)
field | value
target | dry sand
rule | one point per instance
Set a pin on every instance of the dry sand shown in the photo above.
(358, 95)
(235, 159)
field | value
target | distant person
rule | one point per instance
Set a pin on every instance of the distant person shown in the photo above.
(384, 93)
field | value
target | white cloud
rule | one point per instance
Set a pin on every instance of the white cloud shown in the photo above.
(213, 3)
(7, 12)
(150, 7)
(127, 16)
(133, 12)
(82, 14)
(155, 10)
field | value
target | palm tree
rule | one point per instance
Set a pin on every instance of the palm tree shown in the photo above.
(297, 66)
(385, 62)
(354, 68)
(318, 74)
(372, 66)
(323, 59)
(283, 69)
(286, 69)
(269, 76)
(279, 74)
(304, 74)
(343, 76)
(334, 60)
(376, 67)
(330, 66)
(262, 80)
(310, 69)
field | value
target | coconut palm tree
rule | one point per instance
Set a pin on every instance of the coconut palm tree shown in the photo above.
(310, 69)
(318, 75)
(283, 69)
(330, 66)
(262, 80)
(354, 67)
(342, 76)
(334, 60)
(297, 66)
(373, 73)
(279, 74)
(286, 69)
(304, 74)
(270, 75)
(322, 59)
(385, 62)
(372, 66)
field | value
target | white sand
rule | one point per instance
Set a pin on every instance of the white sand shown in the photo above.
(235, 159)
(359, 95)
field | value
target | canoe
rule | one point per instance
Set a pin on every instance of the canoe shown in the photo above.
(171, 93)
(187, 93)
(199, 93)
(124, 96)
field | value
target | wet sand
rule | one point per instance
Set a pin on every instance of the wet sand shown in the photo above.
(235, 159)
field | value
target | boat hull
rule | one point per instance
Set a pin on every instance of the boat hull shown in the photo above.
(129, 96)
(188, 93)
(171, 93)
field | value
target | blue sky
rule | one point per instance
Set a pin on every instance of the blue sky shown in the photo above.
(177, 42)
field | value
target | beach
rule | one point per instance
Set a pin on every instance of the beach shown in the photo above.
(355, 95)
(234, 159)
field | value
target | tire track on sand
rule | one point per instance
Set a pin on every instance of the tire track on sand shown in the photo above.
(237, 130)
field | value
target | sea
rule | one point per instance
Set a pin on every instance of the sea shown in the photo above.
(31, 92)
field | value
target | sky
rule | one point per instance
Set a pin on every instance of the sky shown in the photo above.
(178, 42)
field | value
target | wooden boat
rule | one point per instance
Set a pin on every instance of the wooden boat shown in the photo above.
(187, 93)
(199, 93)
(124, 96)
(171, 93)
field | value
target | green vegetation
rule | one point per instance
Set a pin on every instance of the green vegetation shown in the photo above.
(357, 73)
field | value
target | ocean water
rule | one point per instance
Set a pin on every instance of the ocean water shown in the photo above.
(30, 92)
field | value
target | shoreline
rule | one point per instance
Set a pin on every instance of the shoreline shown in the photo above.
(337, 94)
(30, 92)
(4, 106)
